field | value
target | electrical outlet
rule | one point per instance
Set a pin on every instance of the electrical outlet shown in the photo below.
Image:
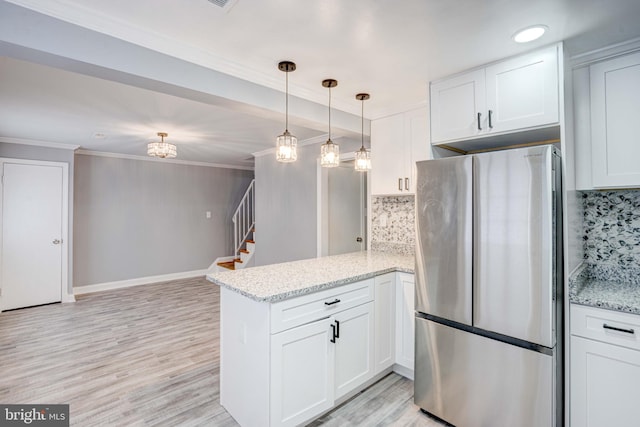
(383, 220)
(207, 214)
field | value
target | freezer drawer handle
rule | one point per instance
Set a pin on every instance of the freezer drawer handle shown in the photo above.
(613, 328)
(335, 301)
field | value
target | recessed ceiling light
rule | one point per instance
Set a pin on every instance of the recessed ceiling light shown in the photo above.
(529, 34)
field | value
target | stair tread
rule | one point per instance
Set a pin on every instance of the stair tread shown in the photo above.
(249, 241)
(228, 264)
(244, 251)
(238, 260)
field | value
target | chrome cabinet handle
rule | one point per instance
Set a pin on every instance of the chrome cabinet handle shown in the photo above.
(57, 242)
(400, 184)
(406, 184)
(490, 124)
(613, 328)
(479, 127)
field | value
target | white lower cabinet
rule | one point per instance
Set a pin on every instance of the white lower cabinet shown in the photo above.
(302, 373)
(405, 323)
(605, 368)
(385, 300)
(285, 363)
(353, 348)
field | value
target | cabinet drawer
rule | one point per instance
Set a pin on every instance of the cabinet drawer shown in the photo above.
(308, 308)
(612, 327)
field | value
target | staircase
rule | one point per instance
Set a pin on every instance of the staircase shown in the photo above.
(243, 234)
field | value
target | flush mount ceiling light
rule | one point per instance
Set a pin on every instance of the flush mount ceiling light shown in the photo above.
(286, 144)
(162, 149)
(329, 152)
(529, 34)
(363, 156)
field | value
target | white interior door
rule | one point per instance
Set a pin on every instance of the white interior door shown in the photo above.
(346, 209)
(31, 252)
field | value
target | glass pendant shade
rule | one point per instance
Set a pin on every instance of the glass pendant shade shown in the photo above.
(286, 147)
(286, 144)
(363, 160)
(363, 156)
(329, 155)
(329, 152)
(162, 149)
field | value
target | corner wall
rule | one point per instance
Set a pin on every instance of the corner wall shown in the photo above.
(138, 218)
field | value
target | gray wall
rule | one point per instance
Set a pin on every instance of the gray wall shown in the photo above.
(137, 218)
(287, 205)
(31, 152)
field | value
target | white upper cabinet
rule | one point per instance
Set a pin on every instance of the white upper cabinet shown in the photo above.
(456, 104)
(517, 94)
(615, 111)
(397, 143)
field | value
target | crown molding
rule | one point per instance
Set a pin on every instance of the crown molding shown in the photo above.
(381, 113)
(154, 159)
(37, 143)
(604, 53)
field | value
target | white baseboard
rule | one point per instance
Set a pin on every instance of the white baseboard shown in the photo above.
(403, 370)
(86, 289)
(68, 297)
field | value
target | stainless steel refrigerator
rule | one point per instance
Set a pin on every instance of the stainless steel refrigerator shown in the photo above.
(488, 289)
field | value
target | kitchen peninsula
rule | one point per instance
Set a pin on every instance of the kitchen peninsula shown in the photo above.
(300, 337)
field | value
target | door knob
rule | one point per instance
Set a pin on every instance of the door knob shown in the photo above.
(57, 242)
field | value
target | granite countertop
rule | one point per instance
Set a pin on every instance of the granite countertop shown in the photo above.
(608, 288)
(277, 282)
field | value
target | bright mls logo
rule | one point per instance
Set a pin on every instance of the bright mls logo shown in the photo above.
(34, 415)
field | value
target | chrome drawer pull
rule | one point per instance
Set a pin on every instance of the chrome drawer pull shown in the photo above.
(335, 301)
(613, 328)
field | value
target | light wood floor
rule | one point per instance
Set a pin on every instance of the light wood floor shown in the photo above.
(148, 355)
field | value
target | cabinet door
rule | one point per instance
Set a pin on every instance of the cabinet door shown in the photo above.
(388, 155)
(354, 348)
(418, 146)
(604, 384)
(302, 373)
(385, 298)
(615, 109)
(405, 320)
(522, 92)
(455, 104)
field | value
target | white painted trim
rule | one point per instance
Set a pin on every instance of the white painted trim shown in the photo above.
(98, 287)
(37, 143)
(587, 58)
(155, 159)
(65, 295)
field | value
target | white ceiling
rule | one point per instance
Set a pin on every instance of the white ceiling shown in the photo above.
(391, 49)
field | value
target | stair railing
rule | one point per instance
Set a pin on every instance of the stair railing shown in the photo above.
(244, 218)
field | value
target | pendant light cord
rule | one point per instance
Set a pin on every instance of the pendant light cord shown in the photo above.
(362, 122)
(286, 120)
(329, 112)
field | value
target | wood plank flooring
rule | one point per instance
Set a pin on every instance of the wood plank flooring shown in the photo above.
(149, 355)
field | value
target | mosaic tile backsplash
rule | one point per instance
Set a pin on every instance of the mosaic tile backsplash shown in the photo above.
(393, 224)
(612, 228)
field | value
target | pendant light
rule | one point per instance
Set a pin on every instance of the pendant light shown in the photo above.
(286, 144)
(363, 156)
(329, 152)
(162, 149)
